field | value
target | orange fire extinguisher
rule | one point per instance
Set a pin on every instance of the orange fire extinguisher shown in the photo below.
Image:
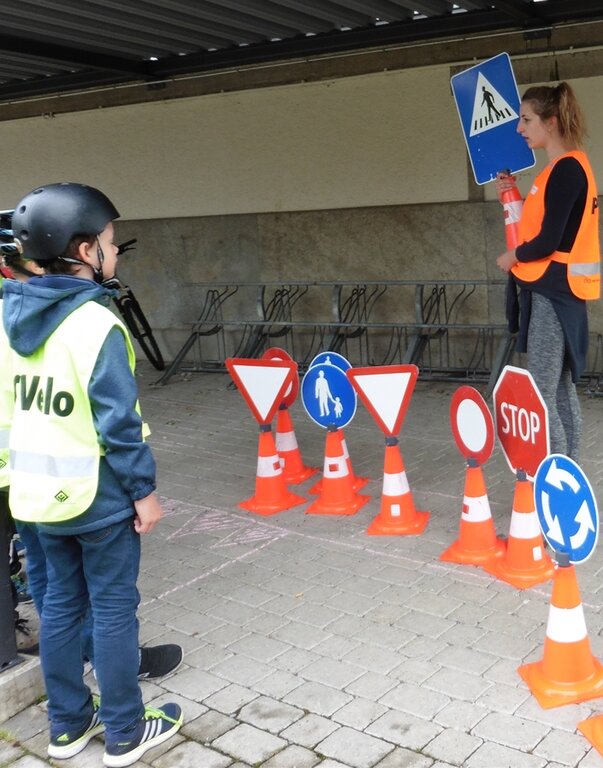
(512, 207)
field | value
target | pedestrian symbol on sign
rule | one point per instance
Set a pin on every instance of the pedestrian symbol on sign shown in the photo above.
(488, 103)
(323, 394)
(490, 109)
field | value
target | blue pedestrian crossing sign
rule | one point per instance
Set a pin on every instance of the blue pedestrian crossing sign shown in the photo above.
(566, 507)
(328, 396)
(488, 104)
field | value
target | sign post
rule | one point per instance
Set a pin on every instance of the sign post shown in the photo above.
(294, 469)
(472, 425)
(488, 104)
(330, 401)
(567, 509)
(521, 418)
(473, 430)
(386, 392)
(568, 673)
(264, 384)
(328, 396)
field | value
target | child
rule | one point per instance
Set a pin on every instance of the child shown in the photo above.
(155, 660)
(80, 469)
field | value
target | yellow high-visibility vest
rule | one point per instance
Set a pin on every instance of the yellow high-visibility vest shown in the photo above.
(6, 402)
(54, 448)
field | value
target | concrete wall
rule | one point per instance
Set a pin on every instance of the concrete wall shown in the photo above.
(381, 139)
(361, 178)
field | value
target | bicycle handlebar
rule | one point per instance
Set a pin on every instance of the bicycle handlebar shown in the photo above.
(127, 246)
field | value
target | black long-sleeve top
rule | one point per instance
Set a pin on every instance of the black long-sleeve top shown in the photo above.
(564, 202)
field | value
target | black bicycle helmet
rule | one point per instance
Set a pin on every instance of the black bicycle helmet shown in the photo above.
(46, 219)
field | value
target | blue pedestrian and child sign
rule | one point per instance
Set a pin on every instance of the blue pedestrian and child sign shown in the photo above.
(326, 392)
(488, 104)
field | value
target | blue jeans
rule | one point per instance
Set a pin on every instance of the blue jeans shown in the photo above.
(36, 562)
(37, 580)
(100, 568)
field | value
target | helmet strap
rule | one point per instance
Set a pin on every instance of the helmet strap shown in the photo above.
(98, 271)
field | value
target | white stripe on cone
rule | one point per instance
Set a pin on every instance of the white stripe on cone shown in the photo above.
(476, 509)
(566, 625)
(286, 441)
(269, 466)
(524, 525)
(395, 484)
(335, 467)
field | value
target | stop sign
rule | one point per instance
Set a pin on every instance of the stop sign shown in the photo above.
(521, 419)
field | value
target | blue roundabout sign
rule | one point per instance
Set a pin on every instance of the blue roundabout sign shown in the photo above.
(566, 507)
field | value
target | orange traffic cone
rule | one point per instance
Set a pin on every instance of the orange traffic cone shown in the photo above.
(337, 495)
(271, 492)
(525, 562)
(592, 728)
(286, 445)
(398, 515)
(568, 672)
(477, 543)
(357, 482)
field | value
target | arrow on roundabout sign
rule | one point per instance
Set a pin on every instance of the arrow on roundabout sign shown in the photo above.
(566, 507)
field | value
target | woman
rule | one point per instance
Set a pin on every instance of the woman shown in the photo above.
(556, 265)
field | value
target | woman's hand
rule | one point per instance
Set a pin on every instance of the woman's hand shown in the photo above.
(506, 260)
(503, 183)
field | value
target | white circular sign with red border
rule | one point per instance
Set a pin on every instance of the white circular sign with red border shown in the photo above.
(472, 424)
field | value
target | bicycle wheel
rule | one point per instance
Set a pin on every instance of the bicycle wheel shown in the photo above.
(139, 327)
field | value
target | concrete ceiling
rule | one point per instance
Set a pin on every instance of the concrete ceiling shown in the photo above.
(65, 46)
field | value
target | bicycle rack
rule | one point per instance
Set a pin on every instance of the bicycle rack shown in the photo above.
(594, 386)
(209, 323)
(275, 320)
(429, 327)
(353, 314)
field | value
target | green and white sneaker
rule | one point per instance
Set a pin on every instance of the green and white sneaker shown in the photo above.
(155, 727)
(72, 743)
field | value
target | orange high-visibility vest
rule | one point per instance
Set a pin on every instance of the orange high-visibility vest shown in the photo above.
(583, 261)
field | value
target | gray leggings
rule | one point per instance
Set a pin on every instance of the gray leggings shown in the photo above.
(546, 363)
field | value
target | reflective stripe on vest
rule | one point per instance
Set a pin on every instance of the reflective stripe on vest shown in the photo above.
(53, 466)
(54, 448)
(583, 260)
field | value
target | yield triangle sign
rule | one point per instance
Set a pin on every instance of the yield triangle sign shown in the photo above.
(386, 391)
(490, 109)
(262, 383)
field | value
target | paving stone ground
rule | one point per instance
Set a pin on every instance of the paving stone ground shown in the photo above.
(308, 642)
